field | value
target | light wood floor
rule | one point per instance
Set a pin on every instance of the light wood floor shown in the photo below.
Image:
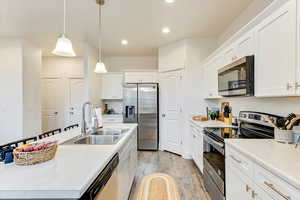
(186, 174)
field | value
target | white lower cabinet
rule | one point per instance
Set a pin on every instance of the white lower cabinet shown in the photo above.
(246, 179)
(127, 167)
(237, 186)
(197, 146)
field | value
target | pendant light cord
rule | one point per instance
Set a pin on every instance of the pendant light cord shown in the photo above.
(99, 35)
(64, 17)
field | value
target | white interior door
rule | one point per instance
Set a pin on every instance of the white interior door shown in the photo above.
(52, 103)
(76, 100)
(171, 118)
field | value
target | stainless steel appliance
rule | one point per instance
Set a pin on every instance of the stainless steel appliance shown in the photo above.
(237, 79)
(141, 106)
(251, 125)
(105, 186)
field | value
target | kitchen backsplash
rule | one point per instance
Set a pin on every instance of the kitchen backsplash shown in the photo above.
(116, 105)
(279, 106)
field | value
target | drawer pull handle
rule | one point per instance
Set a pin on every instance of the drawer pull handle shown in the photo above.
(235, 159)
(271, 186)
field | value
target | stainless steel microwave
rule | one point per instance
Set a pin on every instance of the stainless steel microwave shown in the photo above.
(237, 78)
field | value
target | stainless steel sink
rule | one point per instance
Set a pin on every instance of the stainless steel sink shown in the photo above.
(96, 140)
(110, 132)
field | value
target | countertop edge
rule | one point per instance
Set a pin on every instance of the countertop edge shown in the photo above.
(279, 173)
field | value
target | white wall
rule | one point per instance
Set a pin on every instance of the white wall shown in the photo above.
(93, 80)
(279, 106)
(249, 13)
(11, 104)
(120, 64)
(55, 66)
(19, 91)
(32, 63)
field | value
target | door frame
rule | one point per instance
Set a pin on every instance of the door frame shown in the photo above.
(162, 136)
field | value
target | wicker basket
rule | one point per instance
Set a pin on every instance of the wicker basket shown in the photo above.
(35, 157)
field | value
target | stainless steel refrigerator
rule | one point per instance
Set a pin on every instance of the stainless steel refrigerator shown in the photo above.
(141, 106)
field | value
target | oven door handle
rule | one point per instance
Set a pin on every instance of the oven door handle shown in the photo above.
(215, 142)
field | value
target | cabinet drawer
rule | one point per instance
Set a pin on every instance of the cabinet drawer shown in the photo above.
(276, 187)
(245, 165)
(112, 119)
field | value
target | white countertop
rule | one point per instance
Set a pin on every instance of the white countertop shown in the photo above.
(211, 124)
(281, 159)
(67, 176)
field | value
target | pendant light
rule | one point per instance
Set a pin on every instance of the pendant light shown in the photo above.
(64, 46)
(100, 67)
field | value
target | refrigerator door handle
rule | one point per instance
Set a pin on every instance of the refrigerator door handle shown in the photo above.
(126, 111)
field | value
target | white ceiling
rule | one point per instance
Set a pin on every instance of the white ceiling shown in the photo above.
(139, 21)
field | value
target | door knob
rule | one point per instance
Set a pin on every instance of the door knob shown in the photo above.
(55, 113)
(163, 115)
(71, 108)
(71, 113)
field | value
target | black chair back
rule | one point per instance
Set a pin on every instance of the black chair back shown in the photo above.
(71, 127)
(19, 142)
(49, 133)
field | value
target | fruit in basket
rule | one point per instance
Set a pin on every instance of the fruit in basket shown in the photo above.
(34, 147)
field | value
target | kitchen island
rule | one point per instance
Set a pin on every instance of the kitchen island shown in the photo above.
(68, 175)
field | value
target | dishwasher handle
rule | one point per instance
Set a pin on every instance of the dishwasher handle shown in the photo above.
(100, 182)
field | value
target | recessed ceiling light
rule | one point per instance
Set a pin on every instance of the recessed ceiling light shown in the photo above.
(124, 42)
(169, 1)
(165, 30)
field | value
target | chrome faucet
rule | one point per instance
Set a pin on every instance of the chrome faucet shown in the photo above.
(84, 128)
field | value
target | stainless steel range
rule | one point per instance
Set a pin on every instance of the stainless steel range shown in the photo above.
(251, 125)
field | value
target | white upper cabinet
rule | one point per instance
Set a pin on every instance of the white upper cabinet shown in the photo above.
(112, 86)
(229, 55)
(172, 56)
(140, 77)
(211, 77)
(244, 46)
(276, 53)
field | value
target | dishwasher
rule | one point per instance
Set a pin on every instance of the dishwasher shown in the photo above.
(105, 186)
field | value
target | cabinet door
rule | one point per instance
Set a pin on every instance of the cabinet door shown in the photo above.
(199, 150)
(194, 143)
(210, 80)
(218, 62)
(141, 77)
(206, 81)
(229, 55)
(237, 185)
(112, 86)
(276, 52)
(123, 173)
(245, 45)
